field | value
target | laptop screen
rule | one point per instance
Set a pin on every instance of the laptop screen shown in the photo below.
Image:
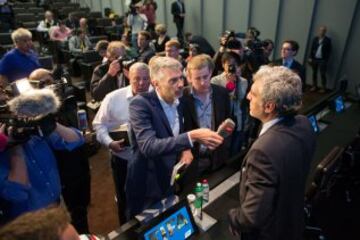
(175, 224)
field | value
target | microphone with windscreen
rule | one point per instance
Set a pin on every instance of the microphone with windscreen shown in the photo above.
(226, 128)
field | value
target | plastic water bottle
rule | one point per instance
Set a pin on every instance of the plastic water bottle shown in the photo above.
(198, 200)
(199, 195)
(206, 190)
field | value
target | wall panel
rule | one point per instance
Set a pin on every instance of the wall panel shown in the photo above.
(337, 16)
(237, 15)
(349, 68)
(213, 20)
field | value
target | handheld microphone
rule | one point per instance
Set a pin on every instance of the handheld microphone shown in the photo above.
(226, 128)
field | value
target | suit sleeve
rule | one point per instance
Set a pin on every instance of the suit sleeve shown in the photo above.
(259, 193)
(150, 145)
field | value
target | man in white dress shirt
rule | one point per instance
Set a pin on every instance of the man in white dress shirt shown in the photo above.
(114, 114)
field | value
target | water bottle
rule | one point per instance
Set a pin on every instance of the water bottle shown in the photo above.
(206, 190)
(199, 196)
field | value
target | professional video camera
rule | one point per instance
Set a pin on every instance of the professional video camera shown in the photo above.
(255, 49)
(30, 113)
(226, 36)
(34, 105)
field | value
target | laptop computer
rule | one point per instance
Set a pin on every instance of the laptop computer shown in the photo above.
(175, 223)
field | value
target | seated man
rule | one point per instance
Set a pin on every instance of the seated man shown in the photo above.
(145, 51)
(47, 23)
(29, 177)
(79, 43)
(101, 47)
(19, 62)
(83, 25)
(60, 33)
(159, 138)
(114, 113)
(109, 76)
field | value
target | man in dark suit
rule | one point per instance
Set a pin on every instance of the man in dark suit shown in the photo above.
(108, 76)
(274, 171)
(178, 11)
(289, 50)
(319, 57)
(159, 140)
(206, 105)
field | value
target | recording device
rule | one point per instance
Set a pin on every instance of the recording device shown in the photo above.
(30, 113)
(226, 128)
(126, 62)
(226, 36)
(232, 68)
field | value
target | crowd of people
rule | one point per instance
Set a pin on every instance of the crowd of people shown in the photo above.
(166, 97)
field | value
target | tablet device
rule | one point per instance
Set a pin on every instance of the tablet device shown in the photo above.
(339, 104)
(314, 123)
(176, 223)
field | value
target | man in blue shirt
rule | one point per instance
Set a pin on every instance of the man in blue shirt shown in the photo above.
(29, 177)
(19, 62)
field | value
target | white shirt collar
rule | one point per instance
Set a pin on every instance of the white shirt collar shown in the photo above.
(165, 104)
(266, 126)
(129, 93)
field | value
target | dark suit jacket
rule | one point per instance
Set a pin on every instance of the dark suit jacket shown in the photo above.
(295, 66)
(146, 55)
(176, 11)
(156, 151)
(220, 112)
(272, 182)
(325, 50)
(102, 83)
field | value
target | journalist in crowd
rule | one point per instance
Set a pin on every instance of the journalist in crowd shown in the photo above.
(29, 177)
(109, 76)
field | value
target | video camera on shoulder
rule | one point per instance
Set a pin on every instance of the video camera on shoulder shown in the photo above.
(30, 112)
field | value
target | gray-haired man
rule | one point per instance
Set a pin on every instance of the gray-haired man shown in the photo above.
(274, 171)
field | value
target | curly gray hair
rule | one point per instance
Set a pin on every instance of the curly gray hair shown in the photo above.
(157, 64)
(281, 86)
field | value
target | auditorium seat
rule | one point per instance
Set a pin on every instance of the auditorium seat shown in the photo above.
(46, 62)
(95, 15)
(6, 41)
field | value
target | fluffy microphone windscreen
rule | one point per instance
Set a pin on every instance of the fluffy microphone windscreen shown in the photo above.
(35, 104)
